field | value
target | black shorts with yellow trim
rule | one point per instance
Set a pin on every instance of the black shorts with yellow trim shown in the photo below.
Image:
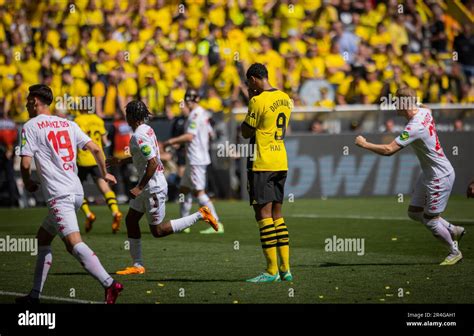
(266, 186)
(83, 172)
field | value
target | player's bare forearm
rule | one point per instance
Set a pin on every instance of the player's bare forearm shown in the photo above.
(381, 149)
(184, 138)
(150, 170)
(25, 169)
(247, 131)
(98, 156)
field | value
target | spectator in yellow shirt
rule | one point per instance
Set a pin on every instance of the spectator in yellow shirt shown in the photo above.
(325, 101)
(336, 66)
(110, 97)
(29, 67)
(225, 79)
(15, 101)
(354, 89)
(154, 94)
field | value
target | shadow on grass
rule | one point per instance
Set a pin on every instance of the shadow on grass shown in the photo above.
(332, 264)
(187, 280)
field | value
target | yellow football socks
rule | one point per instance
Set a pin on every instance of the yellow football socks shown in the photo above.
(269, 244)
(111, 201)
(85, 207)
(283, 246)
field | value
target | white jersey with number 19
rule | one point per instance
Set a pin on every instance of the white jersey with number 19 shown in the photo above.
(52, 142)
(420, 132)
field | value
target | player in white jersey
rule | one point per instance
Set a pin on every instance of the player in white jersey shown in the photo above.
(53, 143)
(196, 138)
(433, 187)
(149, 196)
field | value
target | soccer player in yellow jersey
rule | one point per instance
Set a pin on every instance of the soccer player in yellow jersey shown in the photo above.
(93, 126)
(265, 124)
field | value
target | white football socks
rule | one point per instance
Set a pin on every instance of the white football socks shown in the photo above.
(185, 207)
(441, 232)
(183, 223)
(43, 264)
(136, 251)
(447, 224)
(204, 200)
(91, 263)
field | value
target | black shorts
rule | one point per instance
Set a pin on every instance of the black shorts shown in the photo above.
(93, 171)
(266, 186)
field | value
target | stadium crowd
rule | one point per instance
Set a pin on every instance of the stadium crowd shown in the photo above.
(118, 50)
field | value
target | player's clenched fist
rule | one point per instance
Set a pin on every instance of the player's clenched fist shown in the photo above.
(470, 190)
(360, 141)
(110, 179)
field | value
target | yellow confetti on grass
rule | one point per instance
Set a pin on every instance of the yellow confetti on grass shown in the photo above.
(394, 238)
(161, 285)
(235, 302)
(321, 296)
(387, 287)
(148, 291)
(382, 300)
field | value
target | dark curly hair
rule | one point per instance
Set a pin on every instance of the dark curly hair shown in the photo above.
(136, 110)
(257, 70)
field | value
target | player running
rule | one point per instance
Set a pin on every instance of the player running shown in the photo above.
(149, 195)
(434, 185)
(94, 127)
(266, 122)
(196, 138)
(53, 143)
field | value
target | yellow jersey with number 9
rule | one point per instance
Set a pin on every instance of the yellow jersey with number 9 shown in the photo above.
(93, 126)
(269, 114)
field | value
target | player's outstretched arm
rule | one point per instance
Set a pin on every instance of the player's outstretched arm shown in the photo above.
(150, 170)
(113, 161)
(186, 137)
(385, 150)
(25, 168)
(100, 159)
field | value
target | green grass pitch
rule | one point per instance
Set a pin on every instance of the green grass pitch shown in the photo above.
(401, 257)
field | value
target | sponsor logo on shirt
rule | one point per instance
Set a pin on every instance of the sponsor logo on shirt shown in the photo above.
(404, 136)
(192, 125)
(146, 150)
(23, 138)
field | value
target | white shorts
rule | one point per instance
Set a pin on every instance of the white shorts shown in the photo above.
(194, 177)
(432, 195)
(151, 204)
(62, 218)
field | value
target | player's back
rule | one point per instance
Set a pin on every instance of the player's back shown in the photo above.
(421, 133)
(143, 147)
(94, 127)
(197, 151)
(270, 113)
(53, 141)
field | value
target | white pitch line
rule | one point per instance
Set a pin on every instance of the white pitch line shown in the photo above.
(50, 298)
(463, 220)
